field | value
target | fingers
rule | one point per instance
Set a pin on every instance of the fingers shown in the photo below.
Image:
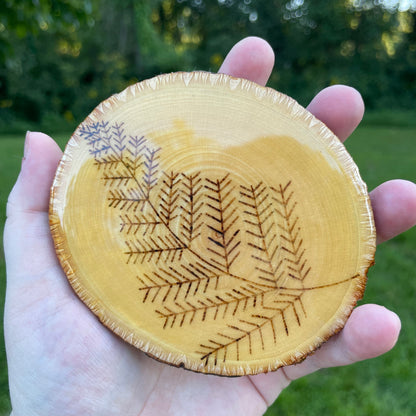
(394, 203)
(394, 207)
(370, 331)
(340, 107)
(252, 58)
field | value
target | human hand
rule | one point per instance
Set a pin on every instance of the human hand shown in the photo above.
(62, 361)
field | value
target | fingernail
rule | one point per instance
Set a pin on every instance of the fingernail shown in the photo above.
(26, 148)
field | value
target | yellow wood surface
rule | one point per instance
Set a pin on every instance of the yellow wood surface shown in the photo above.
(212, 223)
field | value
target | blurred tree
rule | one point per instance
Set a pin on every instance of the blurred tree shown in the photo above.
(22, 18)
(328, 43)
(59, 58)
(29, 31)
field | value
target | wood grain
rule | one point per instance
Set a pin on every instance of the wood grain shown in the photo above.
(212, 223)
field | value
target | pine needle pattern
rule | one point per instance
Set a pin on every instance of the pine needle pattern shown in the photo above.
(195, 229)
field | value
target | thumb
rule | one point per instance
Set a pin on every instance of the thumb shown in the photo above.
(27, 242)
(31, 191)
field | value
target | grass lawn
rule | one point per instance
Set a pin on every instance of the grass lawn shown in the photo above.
(382, 386)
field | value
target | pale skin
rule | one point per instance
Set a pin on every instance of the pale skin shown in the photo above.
(62, 361)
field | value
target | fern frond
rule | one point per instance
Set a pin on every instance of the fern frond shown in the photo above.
(118, 138)
(110, 162)
(292, 243)
(186, 281)
(191, 207)
(150, 169)
(232, 340)
(120, 157)
(169, 197)
(236, 337)
(176, 282)
(98, 137)
(223, 304)
(118, 178)
(258, 215)
(94, 133)
(222, 216)
(129, 200)
(132, 225)
(289, 300)
(134, 154)
(154, 249)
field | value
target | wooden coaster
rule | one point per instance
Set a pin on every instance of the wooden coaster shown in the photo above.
(212, 223)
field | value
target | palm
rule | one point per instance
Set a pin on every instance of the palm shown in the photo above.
(63, 361)
(75, 354)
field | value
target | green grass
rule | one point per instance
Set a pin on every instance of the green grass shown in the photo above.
(382, 386)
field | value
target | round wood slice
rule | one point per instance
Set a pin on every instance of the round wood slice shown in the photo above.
(212, 223)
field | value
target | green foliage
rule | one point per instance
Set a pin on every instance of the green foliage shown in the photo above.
(59, 59)
(20, 18)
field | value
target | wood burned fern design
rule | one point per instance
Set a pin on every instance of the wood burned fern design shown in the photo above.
(290, 232)
(194, 229)
(262, 231)
(221, 219)
(191, 207)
